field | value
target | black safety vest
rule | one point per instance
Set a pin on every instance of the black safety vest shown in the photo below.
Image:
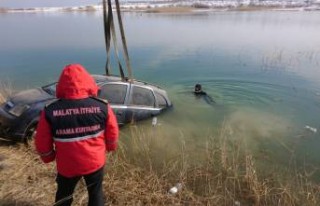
(76, 119)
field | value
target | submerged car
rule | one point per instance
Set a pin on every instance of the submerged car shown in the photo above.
(130, 100)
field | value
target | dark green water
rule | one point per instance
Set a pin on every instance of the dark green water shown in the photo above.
(261, 68)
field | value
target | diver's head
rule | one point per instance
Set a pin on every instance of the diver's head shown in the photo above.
(197, 88)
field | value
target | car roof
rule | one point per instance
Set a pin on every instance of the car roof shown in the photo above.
(103, 78)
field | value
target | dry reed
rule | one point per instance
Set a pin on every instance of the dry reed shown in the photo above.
(141, 173)
(6, 90)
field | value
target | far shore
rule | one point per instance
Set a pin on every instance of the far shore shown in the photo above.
(163, 9)
(189, 9)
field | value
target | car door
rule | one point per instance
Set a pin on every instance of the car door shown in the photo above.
(142, 103)
(115, 93)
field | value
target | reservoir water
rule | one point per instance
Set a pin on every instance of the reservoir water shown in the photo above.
(261, 68)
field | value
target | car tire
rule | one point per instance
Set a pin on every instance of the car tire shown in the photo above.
(30, 135)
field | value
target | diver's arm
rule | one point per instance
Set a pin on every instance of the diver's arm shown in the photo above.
(209, 99)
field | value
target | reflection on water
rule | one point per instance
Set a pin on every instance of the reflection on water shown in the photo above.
(261, 68)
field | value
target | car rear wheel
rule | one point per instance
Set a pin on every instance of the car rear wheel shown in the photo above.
(30, 135)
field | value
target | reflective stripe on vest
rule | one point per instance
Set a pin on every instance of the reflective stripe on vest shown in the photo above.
(75, 139)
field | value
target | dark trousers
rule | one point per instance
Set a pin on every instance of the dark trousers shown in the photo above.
(66, 187)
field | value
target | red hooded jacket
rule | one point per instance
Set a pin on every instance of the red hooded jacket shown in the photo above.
(77, 129)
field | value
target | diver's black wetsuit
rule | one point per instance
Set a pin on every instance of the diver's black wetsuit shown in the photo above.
(205, 96)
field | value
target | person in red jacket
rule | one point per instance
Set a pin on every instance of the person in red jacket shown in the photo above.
(77, 130)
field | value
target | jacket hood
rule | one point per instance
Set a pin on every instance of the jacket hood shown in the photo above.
(76, 83)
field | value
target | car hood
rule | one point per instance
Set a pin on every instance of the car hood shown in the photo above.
(30, 96)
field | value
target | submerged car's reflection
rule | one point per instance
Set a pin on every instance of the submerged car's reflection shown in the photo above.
(130, 100)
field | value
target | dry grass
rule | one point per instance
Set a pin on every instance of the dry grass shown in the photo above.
(6, 90)
(254, 8)
(170, 10)
(3, 10)
(141, 173)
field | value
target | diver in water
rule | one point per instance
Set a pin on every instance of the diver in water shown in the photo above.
(200, 93)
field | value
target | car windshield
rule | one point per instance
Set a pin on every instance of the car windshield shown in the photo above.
(50, 89)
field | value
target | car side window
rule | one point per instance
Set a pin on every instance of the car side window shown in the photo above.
(114, 93)
(161, 100)
(142, 97)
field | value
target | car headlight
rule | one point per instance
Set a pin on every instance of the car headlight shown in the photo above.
(17, 110)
